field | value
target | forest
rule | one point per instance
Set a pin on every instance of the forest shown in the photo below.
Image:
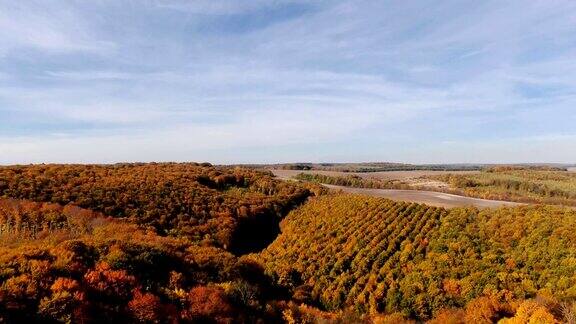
(196, 243)
(72, 265)
(376, 256)
(217, 206)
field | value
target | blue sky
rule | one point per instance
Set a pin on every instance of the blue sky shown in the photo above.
(283, 81)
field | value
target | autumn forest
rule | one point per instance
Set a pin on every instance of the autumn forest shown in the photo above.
(196, 243)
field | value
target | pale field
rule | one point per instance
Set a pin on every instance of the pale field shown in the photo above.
(432, 198)
(385, 175)
(424, 189)
(412, 178)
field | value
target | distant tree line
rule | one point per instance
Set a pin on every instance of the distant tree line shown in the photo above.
(366, 167)
(352, 181)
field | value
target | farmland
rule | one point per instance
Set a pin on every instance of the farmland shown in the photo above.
(521, 185)
(432, 198)
(405, 176)
(412, 186)
(491, 187)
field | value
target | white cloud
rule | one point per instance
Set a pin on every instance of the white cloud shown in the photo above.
(187, 142)
(89, 75)
(47, 26)
(223, 7)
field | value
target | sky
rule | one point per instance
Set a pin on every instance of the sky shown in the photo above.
(233, 81)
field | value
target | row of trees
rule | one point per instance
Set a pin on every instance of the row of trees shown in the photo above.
(374, 255)
(365, 167)
(347, 248)
(351, 181)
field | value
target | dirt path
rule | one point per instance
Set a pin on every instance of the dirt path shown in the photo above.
(431, 198)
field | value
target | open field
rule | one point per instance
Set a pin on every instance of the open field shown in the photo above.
(432, 198)
(411, 178)
(366, 167)
(483, 189)
(543, 186)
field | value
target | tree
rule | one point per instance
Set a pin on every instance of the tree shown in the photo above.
(146, 307)
(206, 303)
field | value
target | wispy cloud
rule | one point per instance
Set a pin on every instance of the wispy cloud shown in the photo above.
(46, 26)
(365, 79)
(88, 75)
(225, 7)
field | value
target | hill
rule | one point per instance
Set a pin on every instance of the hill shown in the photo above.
(67, 264)
(217, 206)
(139, 243)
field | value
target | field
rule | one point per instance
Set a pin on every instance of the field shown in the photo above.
(431, 198)
(412, 178)
(375, 255)
(491, 187)
(521, 185)
(366, 167)
(405, 176)
(412, 186)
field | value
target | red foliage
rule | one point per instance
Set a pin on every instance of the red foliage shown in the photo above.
(208, 303)
(146, 307)
(112, 283)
